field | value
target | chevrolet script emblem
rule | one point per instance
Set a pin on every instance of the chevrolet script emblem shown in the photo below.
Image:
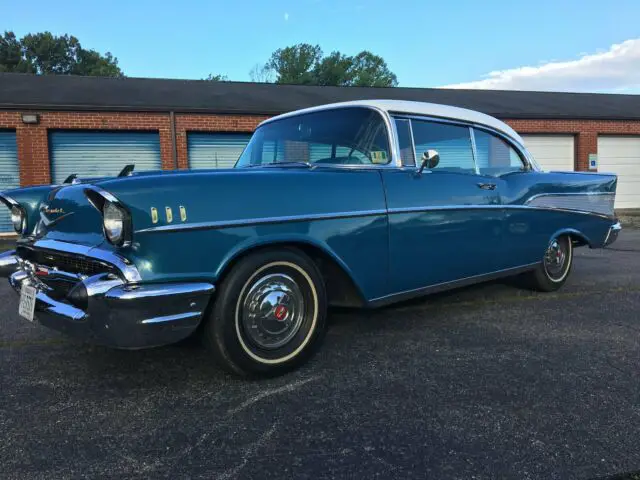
(53, 210)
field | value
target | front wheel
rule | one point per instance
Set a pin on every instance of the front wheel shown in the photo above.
(554, 269)
(269, 315)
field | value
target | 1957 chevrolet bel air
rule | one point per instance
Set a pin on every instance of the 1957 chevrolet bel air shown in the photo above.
(354, 204)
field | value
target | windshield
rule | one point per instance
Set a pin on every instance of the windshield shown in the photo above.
(344, 136)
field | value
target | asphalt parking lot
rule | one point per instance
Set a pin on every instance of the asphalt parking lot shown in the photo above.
(486, 382)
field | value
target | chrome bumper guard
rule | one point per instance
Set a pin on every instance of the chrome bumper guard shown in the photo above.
(110, 311)
(612, 235)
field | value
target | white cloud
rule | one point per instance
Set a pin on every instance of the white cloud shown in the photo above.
(286, 17)
(617, 69)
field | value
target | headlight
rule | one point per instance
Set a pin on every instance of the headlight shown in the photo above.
(113, 221)
(18, 219)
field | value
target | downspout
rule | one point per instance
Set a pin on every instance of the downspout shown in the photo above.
(174, 144)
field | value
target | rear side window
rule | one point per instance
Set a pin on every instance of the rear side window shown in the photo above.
(452, 142)
(495, 156)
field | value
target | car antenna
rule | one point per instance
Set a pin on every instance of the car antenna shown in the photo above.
(126, 171)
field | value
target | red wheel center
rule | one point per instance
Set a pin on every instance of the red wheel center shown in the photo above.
(280, 312)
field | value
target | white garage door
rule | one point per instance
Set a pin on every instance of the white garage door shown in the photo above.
(621, 155)
(552, 152)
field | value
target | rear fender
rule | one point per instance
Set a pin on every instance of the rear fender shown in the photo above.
(576, 234)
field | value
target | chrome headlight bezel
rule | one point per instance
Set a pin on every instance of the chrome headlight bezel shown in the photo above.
(18, 219)
(117, 225)
(114, 220)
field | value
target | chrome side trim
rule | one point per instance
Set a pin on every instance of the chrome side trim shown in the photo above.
(160, 290)
(128, 269)
(565, 194)
(261, 221)
(440, 287)
(486, 207)
(172, 318)
(339, 215)
(597, 202)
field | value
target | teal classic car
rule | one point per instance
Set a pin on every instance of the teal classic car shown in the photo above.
(356, 204)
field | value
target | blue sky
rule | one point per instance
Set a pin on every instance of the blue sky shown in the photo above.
(425, 43)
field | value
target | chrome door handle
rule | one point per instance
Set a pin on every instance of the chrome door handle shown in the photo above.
(487, 186)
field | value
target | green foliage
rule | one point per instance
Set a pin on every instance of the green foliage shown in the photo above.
(47, 54)
(296, 64)
(369, 70)
(305, 64)
(334, 69)
(217, 78)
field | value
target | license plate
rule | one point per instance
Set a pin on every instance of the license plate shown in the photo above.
(27, 302)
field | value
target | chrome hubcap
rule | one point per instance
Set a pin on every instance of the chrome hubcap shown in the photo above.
(555, 259)
(273, 310)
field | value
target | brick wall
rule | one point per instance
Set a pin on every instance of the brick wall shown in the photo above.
(34, 156)
(33, 140)
(585, 131)
(186, 123)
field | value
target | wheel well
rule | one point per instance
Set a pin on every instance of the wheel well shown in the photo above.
(577, 240)
(341, 290)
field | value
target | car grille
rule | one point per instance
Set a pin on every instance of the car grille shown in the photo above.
(65, 262)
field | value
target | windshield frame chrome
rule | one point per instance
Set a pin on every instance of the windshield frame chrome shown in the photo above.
(392, 136)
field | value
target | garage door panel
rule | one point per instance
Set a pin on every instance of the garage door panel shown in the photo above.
(552, 152)
(621, 155)
(97, 154)
(619, 147)
(215, 150)
(9, 174)
(626, 170)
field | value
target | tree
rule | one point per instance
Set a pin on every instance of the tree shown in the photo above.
(45, 54)
(305, 64)
(335, 69)
(261, 73)
(295, 65)
(11, 58)
(369, 70)
(217, 78)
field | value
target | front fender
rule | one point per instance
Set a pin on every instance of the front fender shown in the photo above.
(29, 199)
(250, 244)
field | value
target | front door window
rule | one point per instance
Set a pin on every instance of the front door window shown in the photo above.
(452, 142)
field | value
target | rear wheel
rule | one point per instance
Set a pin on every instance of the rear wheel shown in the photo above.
(269, 315)
(554, 269)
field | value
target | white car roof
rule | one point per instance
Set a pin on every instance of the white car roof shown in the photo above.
(416, 108)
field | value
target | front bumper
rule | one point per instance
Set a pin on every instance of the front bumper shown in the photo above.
(107, 309)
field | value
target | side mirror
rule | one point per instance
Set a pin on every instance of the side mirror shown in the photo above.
(430, 159)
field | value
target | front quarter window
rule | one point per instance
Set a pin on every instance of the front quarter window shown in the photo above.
(342, 136)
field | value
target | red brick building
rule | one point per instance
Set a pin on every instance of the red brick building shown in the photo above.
(53, 125)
